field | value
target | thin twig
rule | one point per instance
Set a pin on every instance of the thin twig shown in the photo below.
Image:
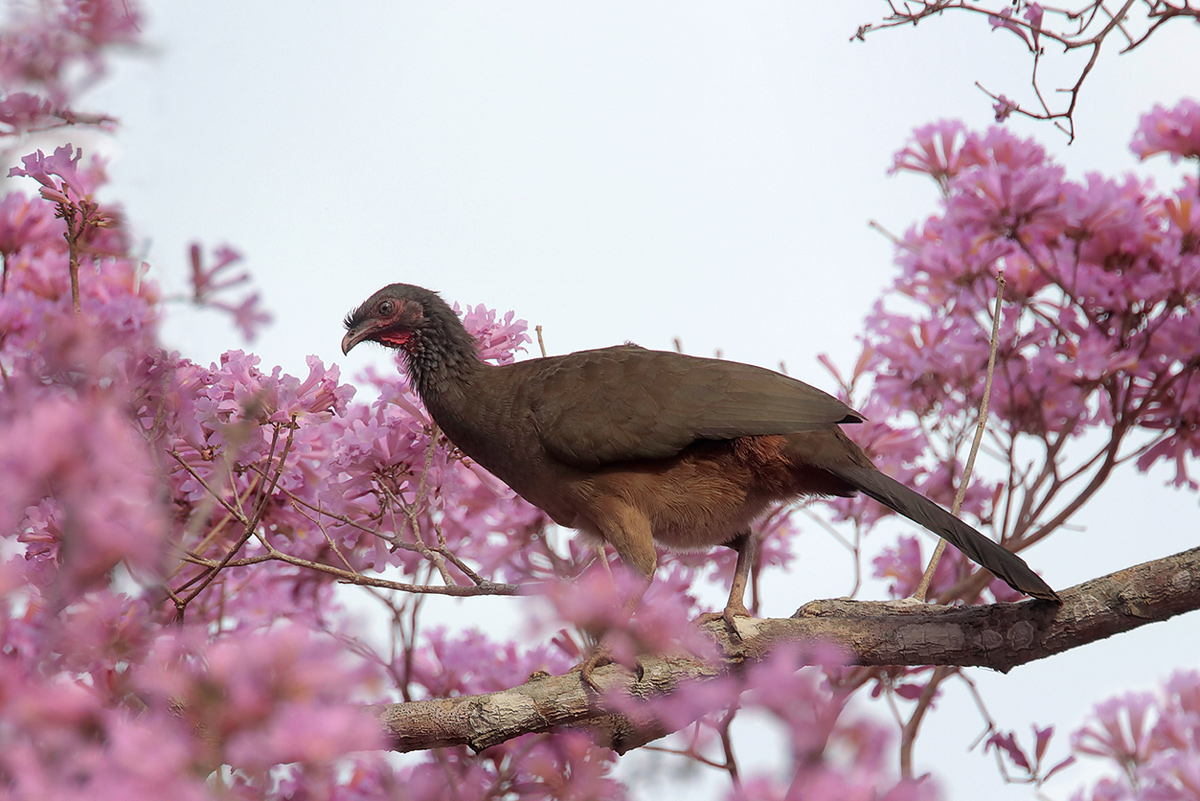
(909, 734)
(251, 525)
(923, 587)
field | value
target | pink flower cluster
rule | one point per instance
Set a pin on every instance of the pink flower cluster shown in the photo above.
(1152, 739)
(49, 51)
(1174, 131)
(1030, 33)
(247, 315)
(148, 497)
(1098, 332)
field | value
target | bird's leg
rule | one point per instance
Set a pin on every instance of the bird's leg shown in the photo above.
(746, 546)
(602, 650)
(628, 531)
(602, 555)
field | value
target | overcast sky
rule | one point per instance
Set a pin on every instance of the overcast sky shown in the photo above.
(617, 171)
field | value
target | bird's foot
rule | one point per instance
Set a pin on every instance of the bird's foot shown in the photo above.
(587, 666)
(600, 656)
(729, 614)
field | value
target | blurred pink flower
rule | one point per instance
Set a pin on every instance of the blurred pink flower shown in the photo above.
(25, 222)
(98, 470)
(21, 111)
(935, 150)
(1174, 131)
(267, 697)
(207, 282)
(1152, 739)
(601, 604)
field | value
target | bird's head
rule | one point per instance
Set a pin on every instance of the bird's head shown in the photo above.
(390, 316)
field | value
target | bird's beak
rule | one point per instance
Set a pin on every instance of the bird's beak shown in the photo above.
(352, 338)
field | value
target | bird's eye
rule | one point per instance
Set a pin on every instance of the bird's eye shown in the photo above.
(386, 307)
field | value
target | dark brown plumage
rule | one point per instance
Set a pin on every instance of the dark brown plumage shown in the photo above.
(637, 446)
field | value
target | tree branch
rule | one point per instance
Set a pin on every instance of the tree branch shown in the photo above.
(998, 636)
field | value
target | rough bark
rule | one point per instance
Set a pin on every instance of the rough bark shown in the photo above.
(998, 636)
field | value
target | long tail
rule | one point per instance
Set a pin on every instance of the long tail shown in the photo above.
(978, 548)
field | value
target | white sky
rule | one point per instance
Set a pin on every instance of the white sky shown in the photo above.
(618, 171)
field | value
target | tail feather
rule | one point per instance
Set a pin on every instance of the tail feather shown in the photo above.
(976, 547)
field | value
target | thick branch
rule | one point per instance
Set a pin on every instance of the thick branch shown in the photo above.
(998, 636)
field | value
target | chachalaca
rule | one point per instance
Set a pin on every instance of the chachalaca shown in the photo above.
(639, 447)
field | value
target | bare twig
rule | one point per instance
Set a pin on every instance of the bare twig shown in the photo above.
(1086, 29)
(908, 735)
(981, 426)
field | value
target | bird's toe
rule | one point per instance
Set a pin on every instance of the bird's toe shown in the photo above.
(729, 615)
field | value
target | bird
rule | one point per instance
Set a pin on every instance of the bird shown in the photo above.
(638, 447)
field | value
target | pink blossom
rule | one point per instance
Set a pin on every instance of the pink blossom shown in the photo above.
(1003, 108)
(1179, 448)
(570, 766)
(500, 338)
(317, 399)
(1095, 269)
(1021, 205)
(1004, 20)
(43, 44)
(904, 565)
(469, 662)
(21, 111)
(102, 22)
(1120, 730)
(1174, 131)
(96, 467)
(597, 604)
(24, 222)
(101, 634)
(1152, 739)
(835, 755)
(147, 758)
(473, 780)
(1000, 148)
(935, 150)
(207, 282)
(63, 178)
(268, 697)
(1034, 13)
(1031, 766)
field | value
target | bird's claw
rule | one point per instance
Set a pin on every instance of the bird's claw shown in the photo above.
(601, 656)
(587, 666)
(729, 615)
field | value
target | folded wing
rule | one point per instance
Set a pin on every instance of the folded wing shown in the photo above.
(627, 403)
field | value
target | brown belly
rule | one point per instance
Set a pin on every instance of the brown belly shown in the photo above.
(710, 492)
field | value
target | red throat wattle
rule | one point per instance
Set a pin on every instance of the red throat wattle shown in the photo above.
(395, 340)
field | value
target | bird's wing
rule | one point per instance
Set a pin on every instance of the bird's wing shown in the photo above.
(627, 403)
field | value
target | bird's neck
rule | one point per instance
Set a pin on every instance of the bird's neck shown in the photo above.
(441, 357)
